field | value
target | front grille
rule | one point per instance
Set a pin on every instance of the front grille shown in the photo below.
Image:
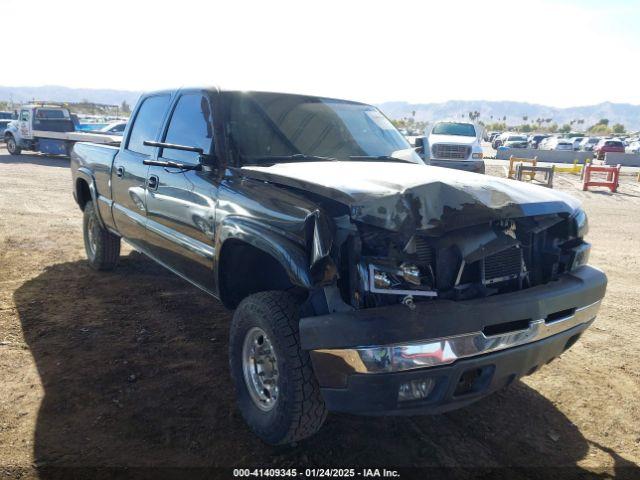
(501, 266)
(424, 251)
(451, 152)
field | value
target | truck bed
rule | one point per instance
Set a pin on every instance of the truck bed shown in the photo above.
(97, 159)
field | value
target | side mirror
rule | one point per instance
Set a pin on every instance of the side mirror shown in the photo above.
(209, 160)
(419, 145)
(204, 159)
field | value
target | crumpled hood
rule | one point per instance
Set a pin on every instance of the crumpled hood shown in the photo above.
(407, 197)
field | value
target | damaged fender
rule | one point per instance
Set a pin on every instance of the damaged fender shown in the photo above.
(291, 256)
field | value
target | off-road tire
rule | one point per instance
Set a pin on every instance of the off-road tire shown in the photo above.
(299, 411)
(106, 252)
(12, 146)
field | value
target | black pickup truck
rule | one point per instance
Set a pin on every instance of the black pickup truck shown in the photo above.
(363, 281)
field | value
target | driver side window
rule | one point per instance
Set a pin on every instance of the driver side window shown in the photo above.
(24, 115)
(191, 125)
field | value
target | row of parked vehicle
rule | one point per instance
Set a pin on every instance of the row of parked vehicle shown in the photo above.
(598, 145)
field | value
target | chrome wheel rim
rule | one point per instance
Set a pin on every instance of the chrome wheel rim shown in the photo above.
(91, 236)
(260, 368)
(11, 145)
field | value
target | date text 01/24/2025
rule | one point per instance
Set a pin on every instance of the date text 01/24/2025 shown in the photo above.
(315, 473)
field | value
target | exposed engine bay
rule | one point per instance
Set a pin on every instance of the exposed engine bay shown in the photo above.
(380, 268)
(386, 234)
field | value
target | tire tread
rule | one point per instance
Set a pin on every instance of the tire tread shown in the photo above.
(108, 244)
(308, 411)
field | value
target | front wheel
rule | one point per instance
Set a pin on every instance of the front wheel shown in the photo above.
(12, 146)
(102, 247)
(277, 392)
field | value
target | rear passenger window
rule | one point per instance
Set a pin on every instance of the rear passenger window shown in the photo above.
(147, 123)
(191, 125)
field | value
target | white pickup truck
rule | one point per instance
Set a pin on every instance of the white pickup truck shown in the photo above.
(48, 129)
(454, 144)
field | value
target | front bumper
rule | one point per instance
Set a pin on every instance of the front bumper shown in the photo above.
(495, 340)
(475, 166)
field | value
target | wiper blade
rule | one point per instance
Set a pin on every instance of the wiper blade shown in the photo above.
(383, 158)
(296, 157)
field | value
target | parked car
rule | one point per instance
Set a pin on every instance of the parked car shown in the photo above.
(497, 141)
(555, 143)
(588, 144)
(455, 145)
(489, 136)
(5, 119)
(534, 140)
(4, 124)
(634, 147)
(605, 146)
(515, 141)
(115, 128)
(362, 281)
(576, 142)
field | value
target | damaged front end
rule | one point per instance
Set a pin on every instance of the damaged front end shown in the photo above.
(386, 233)
(381, 267)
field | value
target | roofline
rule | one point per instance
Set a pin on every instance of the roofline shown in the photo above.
(218, 89)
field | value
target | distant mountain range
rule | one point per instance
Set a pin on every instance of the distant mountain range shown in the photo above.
(54, 93)
(625, 113)
(490, 111)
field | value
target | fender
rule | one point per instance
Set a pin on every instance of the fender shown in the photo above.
(290, 255)
(12, 129)
(85, 174)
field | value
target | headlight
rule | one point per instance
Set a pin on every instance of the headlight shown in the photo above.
(580, 223)
(477, 156)
(580, 256)
(406, 279)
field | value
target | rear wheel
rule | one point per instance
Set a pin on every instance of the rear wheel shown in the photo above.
(278, 394)
(102, 246)
(12, 146)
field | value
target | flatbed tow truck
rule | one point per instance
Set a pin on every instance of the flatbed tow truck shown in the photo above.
(49, 129)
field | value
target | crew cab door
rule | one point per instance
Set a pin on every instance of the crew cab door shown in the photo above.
(181, 203)
(129, 174)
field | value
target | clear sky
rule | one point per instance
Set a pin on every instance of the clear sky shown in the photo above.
(560, 53)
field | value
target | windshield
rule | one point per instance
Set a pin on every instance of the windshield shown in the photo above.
(516, 138)
(448, 128)
(265, 128)
(51, 114)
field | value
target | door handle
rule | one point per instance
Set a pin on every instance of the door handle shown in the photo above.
(152, 182)
(120, 172)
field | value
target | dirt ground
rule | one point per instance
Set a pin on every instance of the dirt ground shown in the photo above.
(129, 368)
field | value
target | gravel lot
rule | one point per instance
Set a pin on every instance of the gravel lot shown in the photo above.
(129, 368)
